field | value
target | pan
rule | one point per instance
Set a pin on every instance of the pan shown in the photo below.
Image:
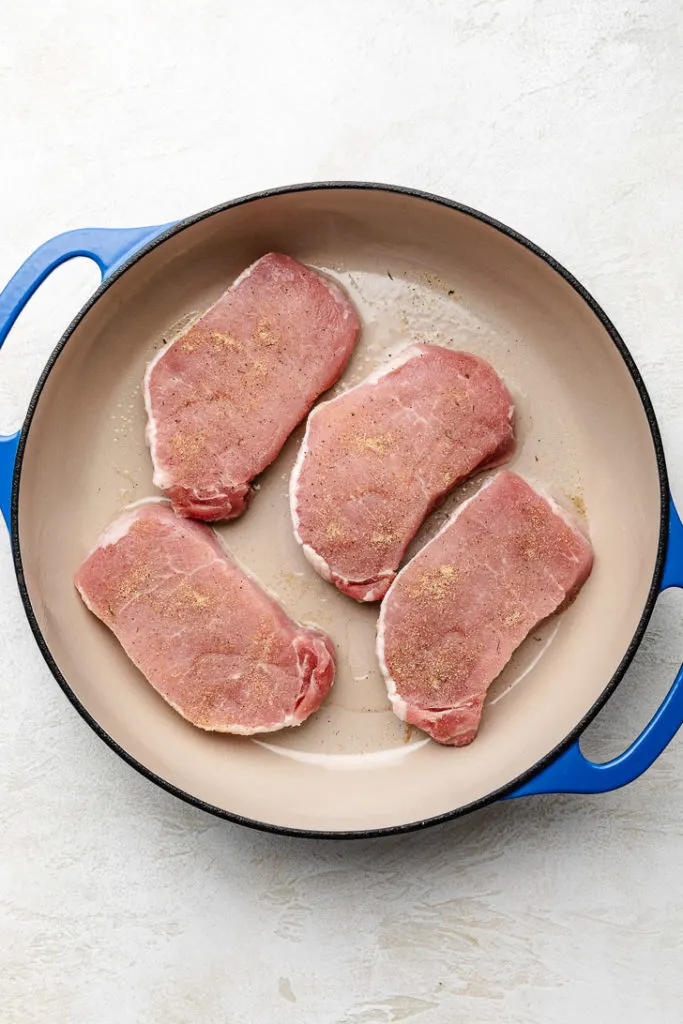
(419, 267)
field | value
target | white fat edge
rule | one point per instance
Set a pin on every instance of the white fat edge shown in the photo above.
(121, 524)
(323, 569)
(295, 475)
(287, 722)
(410, 351)
(113, 533)
(156, 499)
(160, 478)
(398, 705)
(455, 515)
(248, 271)
(565, 514)
(116, 530)
(234, 729)
(336, 290)
(374, 594)
(84, 598)
(318, 562)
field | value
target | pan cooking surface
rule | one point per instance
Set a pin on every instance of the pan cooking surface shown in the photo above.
(417, 272)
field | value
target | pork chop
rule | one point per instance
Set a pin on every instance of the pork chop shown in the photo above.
(378, 458)
(504, 561)
(224, 397)
(220, 650)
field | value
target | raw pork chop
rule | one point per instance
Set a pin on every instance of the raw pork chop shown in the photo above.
(224, 396)
(214, 645)
(378, 458)
(506, 559)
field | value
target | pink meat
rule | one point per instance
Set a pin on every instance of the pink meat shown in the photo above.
(377, 459)
(219, 649)
(224, 396)
(507, 559)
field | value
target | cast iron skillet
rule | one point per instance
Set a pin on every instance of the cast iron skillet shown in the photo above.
(418, 266)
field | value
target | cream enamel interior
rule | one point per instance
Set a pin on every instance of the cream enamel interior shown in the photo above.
(418, 271)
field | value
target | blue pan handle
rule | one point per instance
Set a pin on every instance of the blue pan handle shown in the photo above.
(108, 247)
(571, 772)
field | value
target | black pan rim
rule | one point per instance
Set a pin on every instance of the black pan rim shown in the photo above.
(509, 788)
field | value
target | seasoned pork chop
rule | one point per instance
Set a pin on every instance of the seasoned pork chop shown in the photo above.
(376, 460)
(505, 560)
(223, 398)
(220, 650)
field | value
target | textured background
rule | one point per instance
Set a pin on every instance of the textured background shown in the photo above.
(118, 903)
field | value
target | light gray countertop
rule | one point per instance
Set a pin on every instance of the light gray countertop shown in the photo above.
(120, 904)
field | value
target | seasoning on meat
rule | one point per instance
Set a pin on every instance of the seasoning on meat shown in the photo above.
(505, 560)
(218, 649)
(223, 398)
(378, 458)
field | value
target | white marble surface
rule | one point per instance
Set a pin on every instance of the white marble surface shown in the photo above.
(118, 903)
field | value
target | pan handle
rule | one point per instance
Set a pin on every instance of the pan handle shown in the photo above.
(108, 247)
(571, 772)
